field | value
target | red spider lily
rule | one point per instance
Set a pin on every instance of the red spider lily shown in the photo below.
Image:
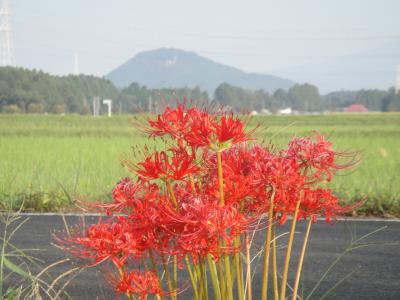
(239, 165)
(184, 215)
(143, 213)
(322, 203)
(115, 241)
(200, 131)
(201, 224)
(231, 130)
(126, 196)
(199, 128)
(216, 132)
(315, 153)
(123, 194)
(240, 160)
(318, 202)
(291, 185)
(273, 174)
(173, 122)
(138, 283)
(252, 171)
(150, 221)
(286, 175)
(159, 166)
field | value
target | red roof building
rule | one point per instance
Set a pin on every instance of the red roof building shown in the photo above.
(356, 108)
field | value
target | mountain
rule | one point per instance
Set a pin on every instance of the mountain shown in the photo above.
(168, 67)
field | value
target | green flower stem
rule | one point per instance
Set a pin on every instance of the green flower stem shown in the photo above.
(239, 273)
(274, 264)
(288, 252)
(153, 263)
(203, 277)
(154, 266)
(201, 284)
(227, 262)
(198, 277)
(229, 286)
(222, 280)
(267, 246)
(192, 184)
(175, 264)
(168, 277)
(300, 266)
(193, 279)
(220, 179)
(248, 271)
(214, 277)
(172, 194)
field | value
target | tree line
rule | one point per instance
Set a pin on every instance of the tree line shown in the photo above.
(32, 91)
(306, 98)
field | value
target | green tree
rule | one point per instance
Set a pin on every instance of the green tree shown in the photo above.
(30, 88)
(239, 99)
(11, 109)
(35, 108)
(305, 97)
(281, 98)
(391, 102)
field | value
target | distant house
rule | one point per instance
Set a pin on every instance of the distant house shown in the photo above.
(356, 108)
(265, 111)
(254, 113)
(285, 111)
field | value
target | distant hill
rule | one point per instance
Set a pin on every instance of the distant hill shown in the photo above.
(164, 68)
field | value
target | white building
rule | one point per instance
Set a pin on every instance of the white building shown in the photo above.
(285, 111)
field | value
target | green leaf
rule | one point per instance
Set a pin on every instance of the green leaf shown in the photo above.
(13, 293)
(14, 268)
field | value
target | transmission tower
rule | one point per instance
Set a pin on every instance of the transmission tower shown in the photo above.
(7, 57)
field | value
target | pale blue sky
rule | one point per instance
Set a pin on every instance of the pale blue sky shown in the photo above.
(276, 37)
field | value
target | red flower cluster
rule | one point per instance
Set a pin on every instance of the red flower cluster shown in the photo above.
(182, 214)
(138, 283)
(200, 225)
(199, 128)
(107, 240)
(160, 165)
(314, 155)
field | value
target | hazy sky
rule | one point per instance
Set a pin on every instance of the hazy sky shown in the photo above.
(261, 36)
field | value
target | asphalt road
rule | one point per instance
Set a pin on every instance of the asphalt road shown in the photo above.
(368, 272)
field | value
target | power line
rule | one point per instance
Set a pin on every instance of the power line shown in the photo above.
(51, 48)
(324, 37)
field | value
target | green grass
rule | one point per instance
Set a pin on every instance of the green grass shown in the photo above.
(46, 161)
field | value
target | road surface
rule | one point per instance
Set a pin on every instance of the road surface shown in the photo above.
(370, 272)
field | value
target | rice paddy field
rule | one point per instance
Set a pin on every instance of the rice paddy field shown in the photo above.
(47, 161)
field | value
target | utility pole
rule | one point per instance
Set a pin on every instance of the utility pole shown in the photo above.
(96, 106)
(6, 49)
(397, 87)
(150, 104)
